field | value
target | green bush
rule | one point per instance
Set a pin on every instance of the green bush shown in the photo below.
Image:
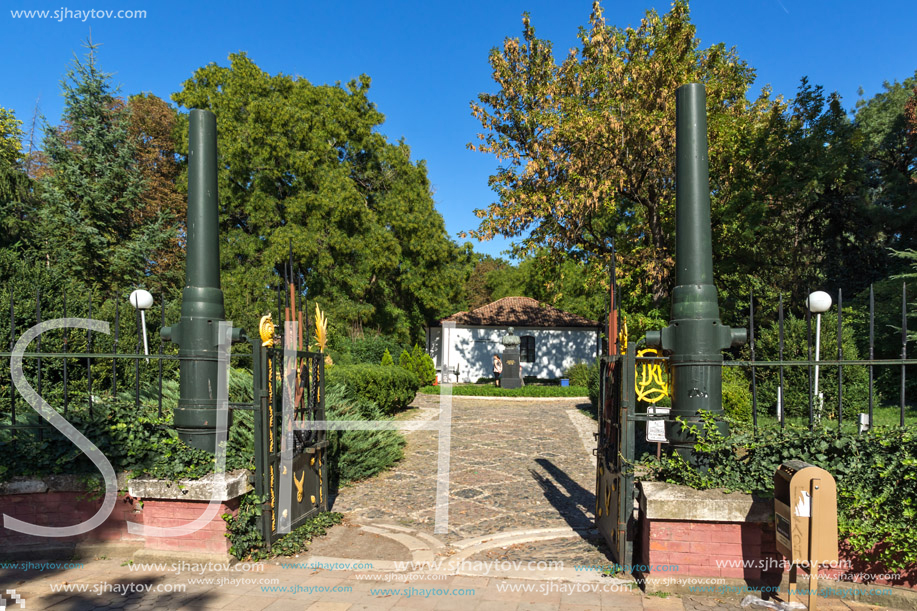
(578, 374)
(356, 455)
(370, 349)
(419, 363)
(387, 359)
(391, 388)
(796, 378)
(593, 386)
(736, 394)
(876, 474)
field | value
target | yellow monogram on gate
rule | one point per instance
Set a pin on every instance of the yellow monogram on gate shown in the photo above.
(652, 383)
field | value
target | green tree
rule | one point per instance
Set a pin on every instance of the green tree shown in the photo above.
(806, 202)
(478, 291)
(92, 191)
(16, 210)
(587, 145)
(303, 164)
(891, 159)
(153, 126)
(10, 138)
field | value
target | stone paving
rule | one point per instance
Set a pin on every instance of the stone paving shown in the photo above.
(521, 491)
(513, 465)
(109, 584)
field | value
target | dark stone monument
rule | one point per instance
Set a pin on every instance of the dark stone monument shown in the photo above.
(511, 377)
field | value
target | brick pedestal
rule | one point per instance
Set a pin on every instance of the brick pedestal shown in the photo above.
(685, 533)
(64, 501)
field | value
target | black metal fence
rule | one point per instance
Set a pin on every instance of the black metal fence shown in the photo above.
(75, 369)
(844, 403)
(859, 372)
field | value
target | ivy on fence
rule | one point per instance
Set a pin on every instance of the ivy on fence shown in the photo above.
(876, 474)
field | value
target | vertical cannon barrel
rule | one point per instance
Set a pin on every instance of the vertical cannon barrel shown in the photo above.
(202, 298)
(695, 337)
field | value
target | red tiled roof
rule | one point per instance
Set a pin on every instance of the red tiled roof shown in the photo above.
(519, 312)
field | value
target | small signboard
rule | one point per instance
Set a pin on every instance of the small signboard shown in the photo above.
(655, 429)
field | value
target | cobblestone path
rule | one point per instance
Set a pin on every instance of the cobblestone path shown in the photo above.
(514, 465)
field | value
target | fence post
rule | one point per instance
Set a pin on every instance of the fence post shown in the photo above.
(780, 404)
(872, 345)
(840, 357)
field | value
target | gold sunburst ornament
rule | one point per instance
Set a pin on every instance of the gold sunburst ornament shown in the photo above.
(266, 329)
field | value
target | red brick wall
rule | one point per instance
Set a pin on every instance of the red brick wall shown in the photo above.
(70, 508)
(696, 547)
(209, 539)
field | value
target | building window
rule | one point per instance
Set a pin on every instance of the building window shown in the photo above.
(527, 349)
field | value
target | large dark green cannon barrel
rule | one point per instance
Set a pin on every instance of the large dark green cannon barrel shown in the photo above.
(695, 337)
(202, 298)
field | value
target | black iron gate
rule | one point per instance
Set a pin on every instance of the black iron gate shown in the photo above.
(284, 373)
(614, 499)
(614, 486)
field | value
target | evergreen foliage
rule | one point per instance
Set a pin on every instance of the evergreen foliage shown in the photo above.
(93, 190)
(419, 363)
(357, 455)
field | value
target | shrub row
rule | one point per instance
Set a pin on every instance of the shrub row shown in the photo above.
(391, 388)
(475, 390)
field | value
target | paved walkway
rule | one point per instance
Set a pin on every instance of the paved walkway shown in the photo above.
(109, 584)
(514, 465)
(520, 532)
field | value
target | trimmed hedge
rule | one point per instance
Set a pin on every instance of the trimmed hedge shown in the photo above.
(390, 388)
(476, 390)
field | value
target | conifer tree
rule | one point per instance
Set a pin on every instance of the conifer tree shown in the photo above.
(93, 188)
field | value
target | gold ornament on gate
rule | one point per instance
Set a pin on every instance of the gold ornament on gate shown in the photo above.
(266, 329)
(622, 335)
(299, 484)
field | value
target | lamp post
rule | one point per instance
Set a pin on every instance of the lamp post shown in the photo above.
(143, 301)
(818, 302)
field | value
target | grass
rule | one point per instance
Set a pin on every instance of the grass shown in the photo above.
(884, 416)
(586, 408)
(481, 390)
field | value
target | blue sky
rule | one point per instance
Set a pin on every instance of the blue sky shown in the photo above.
(428, 60)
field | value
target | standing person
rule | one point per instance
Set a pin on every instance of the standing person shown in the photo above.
(498, 369)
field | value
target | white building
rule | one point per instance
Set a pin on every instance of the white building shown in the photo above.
(551, 340)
